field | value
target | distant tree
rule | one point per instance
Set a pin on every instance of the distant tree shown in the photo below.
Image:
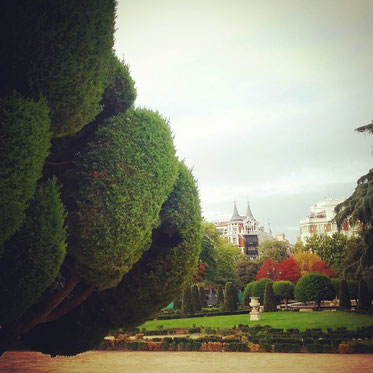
(298, 247)
(195, 298)
(314, 287)
(268, 270)
(288, 270)
(344, 296)
(230, 303)
(177, 303)
(187, 307)
(248, 292)
(323, 267)
(259, 288)
(353, 289)
(305, 261)
(269, 304)
(283, 290)
(226, 255)
(220, 295)
(202, 296)
(210, 241)
(273, 249)
(365, 297)
(246, 270)
(199, 272)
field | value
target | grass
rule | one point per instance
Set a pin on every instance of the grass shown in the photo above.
(284, 320)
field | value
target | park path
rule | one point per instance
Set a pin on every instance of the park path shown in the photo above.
(185, 362)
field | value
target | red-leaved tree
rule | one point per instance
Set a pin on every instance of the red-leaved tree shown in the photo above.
(288, 269)
(268, 270)
(323, 267)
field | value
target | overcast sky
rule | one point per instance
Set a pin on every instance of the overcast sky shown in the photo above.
(262, 96)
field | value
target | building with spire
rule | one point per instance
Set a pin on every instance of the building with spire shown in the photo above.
(244, 231)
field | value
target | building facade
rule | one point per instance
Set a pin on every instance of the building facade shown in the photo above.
(244, 232)
(320, 221)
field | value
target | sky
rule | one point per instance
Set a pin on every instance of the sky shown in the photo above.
(262, 97)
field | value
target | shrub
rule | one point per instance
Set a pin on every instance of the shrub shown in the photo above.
(248, 292)
(353, 289)
(365, 298)
(195, 298)
(314, 287)
(344, 296)
(336, 282)
(202, 296)
(269, 299)
(230, 303)
(283, 290)
(186, 303)
(259, 288)
(220, 296)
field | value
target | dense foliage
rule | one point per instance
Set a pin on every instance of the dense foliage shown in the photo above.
(186, 302)
(220, 295)
(258, 288)
(69, 67)
(230, 302)
(365, 297)
(248, 292)
(195, 298)
(24, 144)
(274, 249)
(104, 231)
(283, 290)
(314, 287)
(40, 242)
(269, 304)
(202, 296)
(344, 296)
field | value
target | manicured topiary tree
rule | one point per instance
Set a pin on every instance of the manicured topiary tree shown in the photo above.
(259, 288)
(344, 296)
(230, 303)
(269, 304)
(314, 287)
(177, 303)
(220, 296)
(248, 292)
(283, 290)
(336, 282)
(353, 289)
(195, 298)
(365, 298)
(186, 302)
(202, 296)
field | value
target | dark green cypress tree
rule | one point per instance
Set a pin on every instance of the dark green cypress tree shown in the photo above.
(202, 296)
(230, 303)
(365, 298)
(269, 299)
(220, 296)
(344, 296)
(195, 298)
(186, 303)
(177, 303)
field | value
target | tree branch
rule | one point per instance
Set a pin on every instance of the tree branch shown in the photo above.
(36, 314)
(69, 305)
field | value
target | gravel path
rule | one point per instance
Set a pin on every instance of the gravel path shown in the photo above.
(185, 362)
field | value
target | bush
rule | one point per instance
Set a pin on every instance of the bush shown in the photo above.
(283, 290)
(230, 303)
(259, 288)
(344, 296)
(202, 296)
(314, 287)
(248, 292)
(220, 296)
(269, 299)
(186, 303)
(195, 298)
(365, 298)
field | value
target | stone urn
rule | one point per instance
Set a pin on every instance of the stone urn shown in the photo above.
(255, 305)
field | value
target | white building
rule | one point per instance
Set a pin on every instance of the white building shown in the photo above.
(244, 231)
(320, 220)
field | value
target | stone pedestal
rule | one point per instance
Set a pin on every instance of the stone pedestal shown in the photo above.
(255, 305)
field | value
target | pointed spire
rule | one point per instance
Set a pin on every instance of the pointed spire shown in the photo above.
(249, 214)
(236, 215)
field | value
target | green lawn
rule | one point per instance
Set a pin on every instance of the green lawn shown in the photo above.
(284, 320)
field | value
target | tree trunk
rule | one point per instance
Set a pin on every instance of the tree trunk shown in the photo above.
(36, 314)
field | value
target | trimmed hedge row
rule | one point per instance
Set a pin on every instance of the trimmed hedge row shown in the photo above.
(258, 339)
(201, 314)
